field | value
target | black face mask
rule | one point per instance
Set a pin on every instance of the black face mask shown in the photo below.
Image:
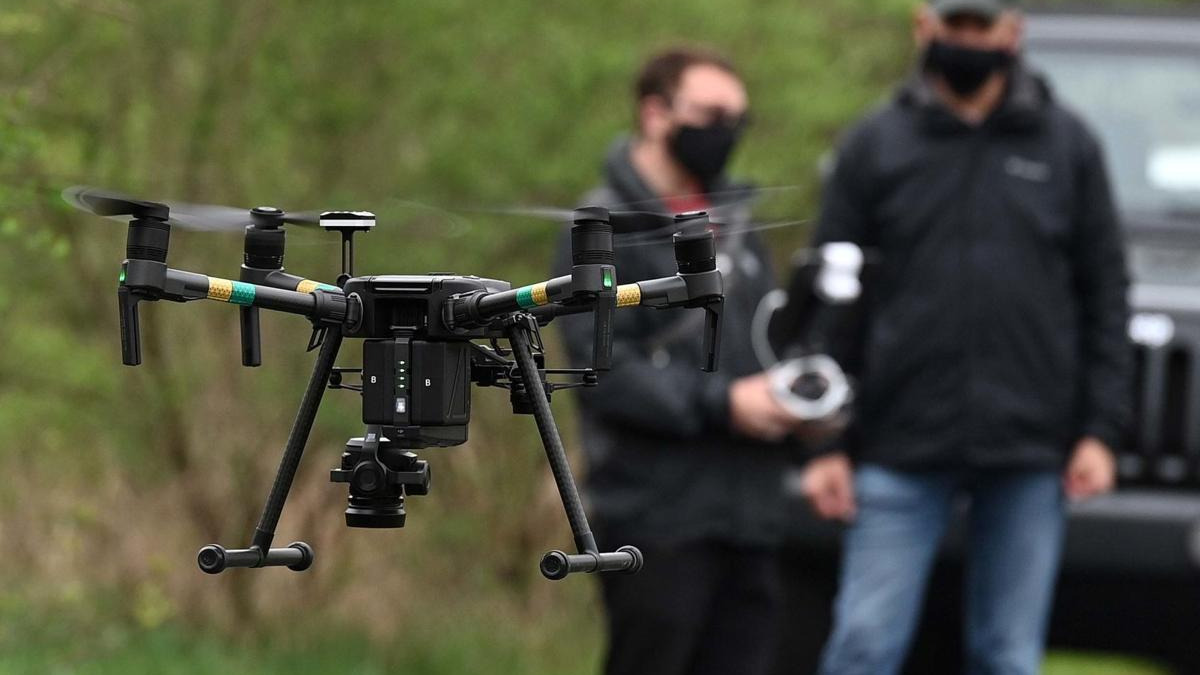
(704, 151)
(965, 69)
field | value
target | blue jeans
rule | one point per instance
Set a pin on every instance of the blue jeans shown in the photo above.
(1014, 541)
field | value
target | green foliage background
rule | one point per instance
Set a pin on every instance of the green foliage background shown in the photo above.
(421, 110)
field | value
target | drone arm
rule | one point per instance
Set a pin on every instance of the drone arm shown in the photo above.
(700, 289)
(282, 280)
(142, 279)
(698, 284)
(591, 286)
(248, 316)
(179, 286)
(662, 293)
(483, 308)
(703, 290)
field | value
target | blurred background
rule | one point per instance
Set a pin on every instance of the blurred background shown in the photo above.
(428, 113)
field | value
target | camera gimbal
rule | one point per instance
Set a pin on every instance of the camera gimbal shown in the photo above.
(420, 354)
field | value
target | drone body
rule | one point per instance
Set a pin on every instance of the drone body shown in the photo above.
(421, 352)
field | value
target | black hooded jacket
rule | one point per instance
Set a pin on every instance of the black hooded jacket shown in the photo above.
(662, 463)
(995, 327)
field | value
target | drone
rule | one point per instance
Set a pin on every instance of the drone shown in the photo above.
(425, 340)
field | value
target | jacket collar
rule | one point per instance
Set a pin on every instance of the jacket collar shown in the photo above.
(624, 179)
(635, 194)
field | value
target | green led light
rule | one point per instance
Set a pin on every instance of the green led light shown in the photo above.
(121, 276)
(608, 281)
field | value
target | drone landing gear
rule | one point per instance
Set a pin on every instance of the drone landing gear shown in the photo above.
(297, 556)
(557, 564)
(380, 468)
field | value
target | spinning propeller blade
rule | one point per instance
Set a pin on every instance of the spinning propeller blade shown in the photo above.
(203, 217)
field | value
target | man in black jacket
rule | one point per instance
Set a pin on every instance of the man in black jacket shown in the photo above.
(685, 465)
(993, 360)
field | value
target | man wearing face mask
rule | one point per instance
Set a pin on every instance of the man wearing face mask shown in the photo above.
(685, 465)
(993, 362)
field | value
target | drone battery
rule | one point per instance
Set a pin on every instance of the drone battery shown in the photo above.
(416, 383)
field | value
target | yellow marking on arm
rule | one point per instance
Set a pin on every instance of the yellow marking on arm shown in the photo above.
(629, 295)
(219, 289)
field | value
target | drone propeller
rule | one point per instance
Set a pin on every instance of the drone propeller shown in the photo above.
(632, 228)
(719, 198)
(623, 222)
(204, 217)
(649, 228)
(660, 237)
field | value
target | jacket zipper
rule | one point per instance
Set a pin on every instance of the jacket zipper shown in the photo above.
(969, 214)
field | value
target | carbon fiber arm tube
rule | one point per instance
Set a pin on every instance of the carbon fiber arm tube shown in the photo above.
(649, 293)
(585, 542)
(556, 564)
(324, 305)
(249, 316)
(297, 438)
(485, 307)
(297, 556)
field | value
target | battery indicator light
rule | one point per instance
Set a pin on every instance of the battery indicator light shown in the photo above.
(608, 281)
(121, 276)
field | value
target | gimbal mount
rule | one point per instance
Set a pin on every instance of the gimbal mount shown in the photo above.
(420, 354)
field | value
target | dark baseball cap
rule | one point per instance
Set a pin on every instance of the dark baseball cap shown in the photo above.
(985, 8)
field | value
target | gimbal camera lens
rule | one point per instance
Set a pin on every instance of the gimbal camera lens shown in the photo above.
(374, 503)
(367, 477)
(380, 475)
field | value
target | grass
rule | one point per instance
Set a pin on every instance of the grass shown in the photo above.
(423, 650)
(1076, 663)
(172, 651)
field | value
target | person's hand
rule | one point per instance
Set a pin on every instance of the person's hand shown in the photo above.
(828, 485)
(1092, 470)
(754, 412)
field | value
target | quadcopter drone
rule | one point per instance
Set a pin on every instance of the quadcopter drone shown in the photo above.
(421, 348)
